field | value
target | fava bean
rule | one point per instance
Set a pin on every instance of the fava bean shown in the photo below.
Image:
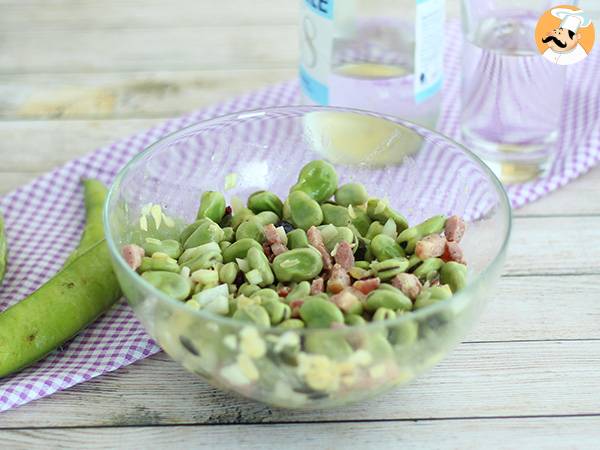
(291, 324)
(267, 217)
(206, 231)
(298, 265)
(351, 194)
(212, 206)
(381, 211)
(432, 295)
(255, 314)
(251, 229)
(202, 257)
(172, 284)
(159, 262)
(389, 297)
(427, 267)
(304, 211)
(384, 247)
(262, 201)
(297, 239)
(455, 275)
(335, 215)
(239, 249)
(169, 247)
(318, 179)
(320, 313)
(388, 269)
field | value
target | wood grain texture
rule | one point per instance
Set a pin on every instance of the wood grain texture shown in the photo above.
(539, 433)
(229, 47)
(125, 95)
(476, 380)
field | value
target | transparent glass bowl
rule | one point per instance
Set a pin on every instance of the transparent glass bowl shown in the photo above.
(420, 172)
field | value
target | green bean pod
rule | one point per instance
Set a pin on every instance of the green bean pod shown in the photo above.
(58, 310)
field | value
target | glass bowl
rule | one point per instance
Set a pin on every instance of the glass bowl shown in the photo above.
(419, 171)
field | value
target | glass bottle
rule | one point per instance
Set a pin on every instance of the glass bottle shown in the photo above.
(379, 55)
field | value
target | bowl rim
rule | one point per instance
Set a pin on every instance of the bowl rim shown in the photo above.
(419, 314)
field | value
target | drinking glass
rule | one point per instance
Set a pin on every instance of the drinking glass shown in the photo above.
(511, 95)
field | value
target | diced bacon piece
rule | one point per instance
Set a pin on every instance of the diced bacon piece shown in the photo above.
(344, 256)
(430, 246)
(271, 234)
(268, 252)
(454, 229)
(367, 285)
(278, 248)
(338, 279)
(347, 300)
(295, 306)
(317, 286)
(316, 240)
(133, 255)
(453, 252)
(408, 283)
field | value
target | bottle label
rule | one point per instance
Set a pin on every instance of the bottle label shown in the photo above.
(429, 42)
(316, 31)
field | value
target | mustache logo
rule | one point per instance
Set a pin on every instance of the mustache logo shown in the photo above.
(555, 40)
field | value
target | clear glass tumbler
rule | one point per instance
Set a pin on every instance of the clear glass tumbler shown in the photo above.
(511, 95)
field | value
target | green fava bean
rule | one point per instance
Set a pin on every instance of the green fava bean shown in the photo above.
(360, 220)
(291, 324)
(228, 273)
(239, 249)
(384, 247)
(255, 314)
(335, 215)
(278, 311)
(304, 211)
(204, 256)
(431, 295)
(380, 210)
(265, 201)
(298, 265)
(300, 291)
(240, 216)
(333, 346)
(384, 314)
(374, 229)
(248, 290)
(433, 225)
(318, 179)
(389, 268)
(351, 194)
(212, 206)
(207, 231)
(428, 266)
(228, 234)
(251, 229)
(455, 275)
(267, 217)
(188, 230)
(174, 285)
(297, 239)
(159, 262)
(354, 319)
(406, 333)
(378, 346)
(320, 313)
(223, 245)
(392, 299)
(169, 247)
(266, 295)
(258, 261)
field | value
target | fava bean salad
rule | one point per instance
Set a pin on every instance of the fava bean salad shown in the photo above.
(327, 256)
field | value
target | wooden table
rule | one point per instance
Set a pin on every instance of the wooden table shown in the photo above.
(78, 74)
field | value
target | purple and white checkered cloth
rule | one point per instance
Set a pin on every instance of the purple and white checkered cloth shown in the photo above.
(44, 220)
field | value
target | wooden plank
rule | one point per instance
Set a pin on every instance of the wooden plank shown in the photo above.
(54, 51)
(476, 380)
(126, 14)
(539, 433)
(579, 197)
(125, 95)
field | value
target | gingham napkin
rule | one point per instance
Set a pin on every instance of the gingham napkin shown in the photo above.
(44, 220)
